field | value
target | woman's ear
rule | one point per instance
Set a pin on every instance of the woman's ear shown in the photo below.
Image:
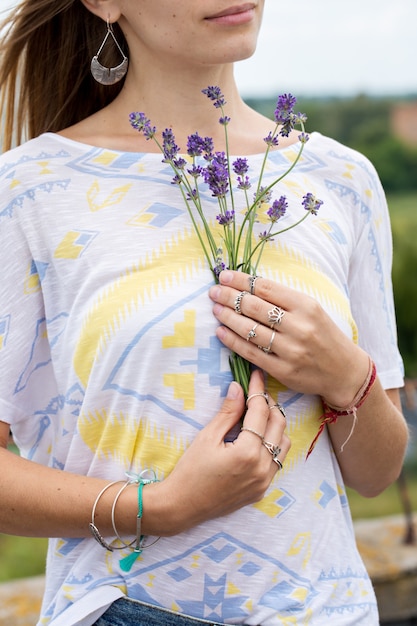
(107, 10)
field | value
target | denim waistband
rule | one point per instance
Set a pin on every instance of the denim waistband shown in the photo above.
(128, 612)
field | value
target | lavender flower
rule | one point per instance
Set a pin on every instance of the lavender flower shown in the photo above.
(226, 218)
(140, 122)
(169, 146)
(216, 175)
(195, 145)
(271, 139)
(240, 166)
(215, 170)
(277, 209)
(311, 203)
(215, 94)
(284, 108)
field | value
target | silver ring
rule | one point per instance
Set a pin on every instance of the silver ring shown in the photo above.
(275, 316)
(238, 301)
(274, 450)
(278, 462)
(268, 348)
(252, 280)
(250, 430)
(251, 334)
(260, 393)
(280, 408)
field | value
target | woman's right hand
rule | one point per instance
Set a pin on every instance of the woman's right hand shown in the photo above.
(214, 477)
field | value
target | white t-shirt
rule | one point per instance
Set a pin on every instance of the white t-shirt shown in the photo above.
(110, 364)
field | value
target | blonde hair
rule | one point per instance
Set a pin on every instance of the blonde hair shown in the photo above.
(45, 79)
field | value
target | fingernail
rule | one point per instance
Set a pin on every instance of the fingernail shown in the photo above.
(217, 309)
(226, 277)
(233, 391)
(215, 293)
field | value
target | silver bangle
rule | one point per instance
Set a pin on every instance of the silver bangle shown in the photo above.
(92, 526)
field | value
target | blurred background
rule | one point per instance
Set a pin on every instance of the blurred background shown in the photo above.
(352, 67)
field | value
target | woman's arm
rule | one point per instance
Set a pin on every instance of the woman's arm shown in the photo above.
(310, 354)
(212, 478)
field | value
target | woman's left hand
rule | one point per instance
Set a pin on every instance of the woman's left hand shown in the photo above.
(289, 335)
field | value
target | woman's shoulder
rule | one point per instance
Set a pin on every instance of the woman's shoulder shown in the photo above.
(344, 161)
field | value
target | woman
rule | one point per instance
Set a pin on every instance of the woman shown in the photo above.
(110, 357)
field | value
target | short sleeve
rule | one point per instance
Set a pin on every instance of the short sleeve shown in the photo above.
(27, 382)
(370, 283)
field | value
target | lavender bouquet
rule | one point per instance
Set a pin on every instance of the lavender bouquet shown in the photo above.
(238, 249)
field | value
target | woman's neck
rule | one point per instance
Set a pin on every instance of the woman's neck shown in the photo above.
(176, 101)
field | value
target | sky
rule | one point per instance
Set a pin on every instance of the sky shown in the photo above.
(331, 47)
(334, 47)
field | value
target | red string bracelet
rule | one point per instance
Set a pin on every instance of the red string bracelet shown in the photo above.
(332, 413)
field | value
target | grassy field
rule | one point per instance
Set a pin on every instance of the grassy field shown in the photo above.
(403, 205)
(21, 557)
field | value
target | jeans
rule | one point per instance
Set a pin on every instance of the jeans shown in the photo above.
(126, 612)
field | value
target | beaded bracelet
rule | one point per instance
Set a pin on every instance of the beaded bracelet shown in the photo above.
(332, 412)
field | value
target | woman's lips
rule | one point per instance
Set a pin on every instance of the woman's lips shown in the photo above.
(238, 14)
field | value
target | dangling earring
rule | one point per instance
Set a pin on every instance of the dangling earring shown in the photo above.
(108, 75)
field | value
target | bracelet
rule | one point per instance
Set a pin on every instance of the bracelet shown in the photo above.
(113, 509)
(93, 528)
(127, 562)
(332, 412)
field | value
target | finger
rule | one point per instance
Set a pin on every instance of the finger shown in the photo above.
(254, 341)
(230, 413)
(268, 290)
(243, 305)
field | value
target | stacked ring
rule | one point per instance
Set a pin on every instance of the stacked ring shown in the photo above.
(251, 334)
(238, 301)
(252, 280)
(275, 316)
(280, 408)
(254, 432)
(260, 393)
(268, 348)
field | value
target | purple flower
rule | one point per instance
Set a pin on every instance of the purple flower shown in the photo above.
(284, 114)
(220, 265)
(311, 203)
(240, 166)
(263, 196)
(217, 269)
(284, 108)
(140, 122)
(271, 139)
(192, 195)
(208, 148)
(243, 182)
(303, 137)
(169, 146)
(216, 175)
(224, 120)
(179, 163)
(195, 145)
(277, 209)
(264, 236)
(226, 218)
(215, 94)
(195, 171)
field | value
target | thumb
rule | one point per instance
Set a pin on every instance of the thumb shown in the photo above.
(231, 410)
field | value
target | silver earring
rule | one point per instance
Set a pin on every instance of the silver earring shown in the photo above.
(108, 75)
